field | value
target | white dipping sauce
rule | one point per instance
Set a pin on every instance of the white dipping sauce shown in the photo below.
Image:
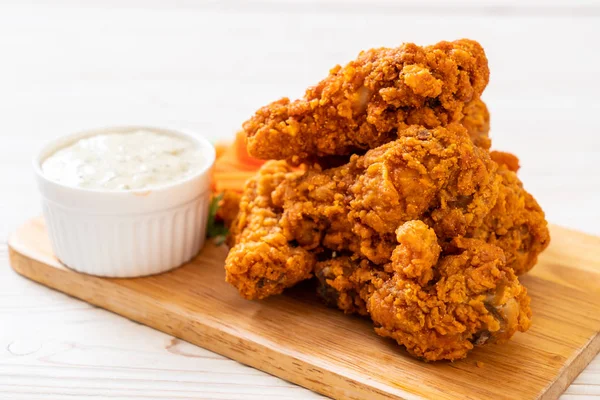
(124, 161)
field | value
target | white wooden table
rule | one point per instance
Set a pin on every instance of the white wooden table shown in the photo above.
(207, 66)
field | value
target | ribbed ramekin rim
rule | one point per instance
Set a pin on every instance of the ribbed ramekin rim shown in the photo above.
(85, 212)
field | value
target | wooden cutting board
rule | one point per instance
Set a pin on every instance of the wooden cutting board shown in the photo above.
(295, 337)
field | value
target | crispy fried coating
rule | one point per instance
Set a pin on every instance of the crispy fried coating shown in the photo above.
(471, 297)
(516, 224)
(433, 174)
(346, 282)
(363, 105)
(438, 304)
(261, 261)
(509, 160)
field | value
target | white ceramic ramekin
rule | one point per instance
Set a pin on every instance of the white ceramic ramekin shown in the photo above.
(126, 233)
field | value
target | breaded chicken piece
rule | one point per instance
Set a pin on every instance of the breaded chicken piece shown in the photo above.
(438, 304)
(441, 309)
(357, 207)
(437, 175)
(516, 224)
(364, 104)
(261, 261)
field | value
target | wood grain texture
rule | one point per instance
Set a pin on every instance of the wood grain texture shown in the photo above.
(298, 339)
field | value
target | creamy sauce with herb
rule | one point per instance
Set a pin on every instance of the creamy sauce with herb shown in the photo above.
(124, 161)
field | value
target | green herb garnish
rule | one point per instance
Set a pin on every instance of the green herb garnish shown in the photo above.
(215, 229)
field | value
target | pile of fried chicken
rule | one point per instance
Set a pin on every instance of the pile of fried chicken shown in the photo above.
(381, 185)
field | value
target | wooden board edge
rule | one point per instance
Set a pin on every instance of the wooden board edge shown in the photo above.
(294, 369)
(572, 369)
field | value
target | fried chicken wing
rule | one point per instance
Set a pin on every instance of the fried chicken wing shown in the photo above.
(438, 304)
(440, 308)
(261, 261)
(435, 175)
(432, 174)
(362, 105)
